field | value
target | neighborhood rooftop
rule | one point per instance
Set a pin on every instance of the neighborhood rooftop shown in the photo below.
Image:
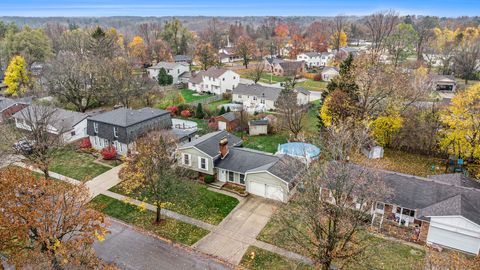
(209, 142)
(126, 117)
(242, 160)
(62, 120)
(266, 92)
(166, 65)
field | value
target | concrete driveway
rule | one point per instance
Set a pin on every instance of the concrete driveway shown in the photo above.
(132, 250)
(238, 230)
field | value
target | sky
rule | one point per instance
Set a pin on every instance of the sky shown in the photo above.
(82, 8)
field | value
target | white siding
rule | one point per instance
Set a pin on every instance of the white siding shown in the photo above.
(455, 232)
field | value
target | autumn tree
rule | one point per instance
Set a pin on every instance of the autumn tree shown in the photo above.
(47, 225)
(338, 37)
(467, 55)
(462, 124)
(401, 43)
(292, 112)
(177, 36)
(384, 128)
(138, 49)
(32, 44)
(102, 44)
(379, 28)
(246, 48)
(442, 46)
(424, 28)
(206, 55)
(326, 219)
(161, 51)
(338, 40)
(17, 77)
(298, 45)
(153, 168)
(449, 260)
(257, 72)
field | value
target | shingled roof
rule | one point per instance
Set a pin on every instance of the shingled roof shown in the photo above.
(242, 159)
(266, 92)
(212, 72)
(209, 143)
(124, 117)
(60, 119)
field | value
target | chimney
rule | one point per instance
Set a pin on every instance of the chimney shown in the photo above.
(223, 147)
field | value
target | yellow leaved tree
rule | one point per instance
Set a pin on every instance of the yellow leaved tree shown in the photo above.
(461, 119)
(338, 40)
(384, 128)
(16, 77)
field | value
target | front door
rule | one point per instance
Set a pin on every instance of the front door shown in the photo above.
(222, 175)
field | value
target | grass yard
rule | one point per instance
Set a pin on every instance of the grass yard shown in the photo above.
(202, 125)
(312, 85)
(203, 204)
(260, 259)
(172, 229)
(380, 253)
(310, 120)
(399, 161)
(212, 106)
(187, 94)
(267, 143)
(270, 78)
(190, 95)
(76, 165)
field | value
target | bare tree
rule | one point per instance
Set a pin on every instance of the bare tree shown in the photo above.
(291, 110)
(43, 135)
(258, 72)
(380, 26)
(336, 27)
(424, 28)
(467, 59)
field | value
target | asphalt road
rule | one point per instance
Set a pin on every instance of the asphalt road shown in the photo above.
(132, 250)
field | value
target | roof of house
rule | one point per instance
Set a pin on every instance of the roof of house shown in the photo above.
(209, 143)
(432, 197)
(457, 179)
(311, 54)
(182, 58)
(6, 103)
(229, 116)
(266, 92)
(442, 78)
(242, 160)
(291, 65)
(330, 69)
(166, 65)
(349, 49)
(181, 134)
(302, 90)
(126, 117)
(261, 122)
(274, 61)
(60, 119)
(211, 72)
(286, 168)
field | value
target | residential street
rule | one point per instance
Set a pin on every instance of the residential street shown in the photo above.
(132, 250)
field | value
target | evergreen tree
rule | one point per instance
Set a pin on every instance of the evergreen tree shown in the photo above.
(199, 113)
(228, 109)
(345, 81)
(222, 111)
(163, 78)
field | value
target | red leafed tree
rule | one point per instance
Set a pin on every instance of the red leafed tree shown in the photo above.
(109, 152)
(298, 45)
(281, 31)
(185, 113)
(319, 42)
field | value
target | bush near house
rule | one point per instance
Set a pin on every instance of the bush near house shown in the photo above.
(317, 77)
(85, 143)
(173, 110)
(109, 153)
(185, 113)
(208, 179)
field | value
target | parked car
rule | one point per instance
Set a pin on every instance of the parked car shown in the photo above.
(24, 146)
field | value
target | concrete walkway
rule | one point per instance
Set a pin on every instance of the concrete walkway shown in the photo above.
(104, 181)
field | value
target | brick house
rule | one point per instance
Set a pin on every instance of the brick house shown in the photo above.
(10, 106)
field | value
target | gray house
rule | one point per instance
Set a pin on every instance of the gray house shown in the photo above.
(262, 174)
(122, 126)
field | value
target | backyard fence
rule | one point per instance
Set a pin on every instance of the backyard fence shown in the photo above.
(205, 101)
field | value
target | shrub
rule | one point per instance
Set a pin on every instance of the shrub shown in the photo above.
(183, 107)
(208, 179)
(317, 77)
(85, 143)
(185, 113)
(109, 152)
(199, 113)
(173, 110)
(212, 124)
(227, 96)
(222, 111)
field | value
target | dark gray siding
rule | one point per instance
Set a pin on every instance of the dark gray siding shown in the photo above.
(129, 134)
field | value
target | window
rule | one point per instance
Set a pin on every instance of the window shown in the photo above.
(223, 79)
(95, 127)
(72, 133)
(115, 132)
(202, 163)
(262, 101)
(105, 142)
(186, 159)
(230, 177)
(242, 178)
(234, 77)
(95, 141)
(254, 98)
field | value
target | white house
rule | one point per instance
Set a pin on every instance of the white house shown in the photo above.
(214, 80)
(173, 69)
(71, 125)
(325, 58)
(328, 73)
(311, 59)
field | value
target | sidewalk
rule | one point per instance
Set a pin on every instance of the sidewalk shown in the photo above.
(104, 181)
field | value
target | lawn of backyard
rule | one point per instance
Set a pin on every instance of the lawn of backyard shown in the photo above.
(312, 85)
(403, 162)
(76, 165)
(212, 106)
(260, 259)
(203, 204)
(171, 229)
(187, 94)
(380, 254)
(267, 143)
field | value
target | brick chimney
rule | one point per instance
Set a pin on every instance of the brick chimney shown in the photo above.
(223, 147)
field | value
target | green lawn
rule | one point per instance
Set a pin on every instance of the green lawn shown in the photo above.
(212, 106)
(312, 85)
(267, 143)
(310, 120)
(190, 95)
(172, 229)
(399, 161)
(274, 79)
(187, 94)
(202, 125)
(380, 253)
(260, 259)
(76, 165)
(203, 204)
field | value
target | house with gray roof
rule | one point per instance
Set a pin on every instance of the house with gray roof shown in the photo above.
(220, 154)
(182, 58)
(214, 80)
(175, 69)
(121, 127)
(289, 68)
(443, 83)
(70, 125)
(328, 73)
(9, 106)
(312, 59)
(443, 209)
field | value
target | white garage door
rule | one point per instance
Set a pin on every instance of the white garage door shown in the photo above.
(257, 189)
(453, 240)
(274, 193)
(222, 125)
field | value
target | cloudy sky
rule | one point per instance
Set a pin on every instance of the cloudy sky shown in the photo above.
(45, 8)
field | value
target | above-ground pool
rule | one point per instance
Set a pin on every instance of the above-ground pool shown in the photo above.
(299, 149)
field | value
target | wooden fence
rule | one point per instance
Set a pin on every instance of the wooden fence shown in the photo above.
(205, 101)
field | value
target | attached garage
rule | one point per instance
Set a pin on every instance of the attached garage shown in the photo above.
(267, 185)
(456, 233)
